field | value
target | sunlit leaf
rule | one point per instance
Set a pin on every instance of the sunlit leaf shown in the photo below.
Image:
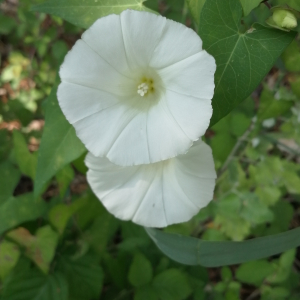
(40, 248)
(16, 210)
(64, 177)
(85, 13)
(249, 5)
(60, 214)
(195, 6)
(243, 59)
(9, 255)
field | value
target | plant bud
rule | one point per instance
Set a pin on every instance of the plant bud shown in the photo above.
(284, 18)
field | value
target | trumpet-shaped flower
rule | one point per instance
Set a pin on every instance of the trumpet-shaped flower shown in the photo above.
(137, 88)
(155, 195)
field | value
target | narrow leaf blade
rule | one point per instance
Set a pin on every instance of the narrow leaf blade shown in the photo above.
(192, 251)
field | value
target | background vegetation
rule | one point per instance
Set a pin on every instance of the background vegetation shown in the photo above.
(64, 245)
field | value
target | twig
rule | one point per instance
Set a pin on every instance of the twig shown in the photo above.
(276, 142)
(253, 295)
(267, 4)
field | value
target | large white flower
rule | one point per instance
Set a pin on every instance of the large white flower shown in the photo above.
(159, 194)
(137, 88)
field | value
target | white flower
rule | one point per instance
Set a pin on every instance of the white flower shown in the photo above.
(159, 194)
(137, 88)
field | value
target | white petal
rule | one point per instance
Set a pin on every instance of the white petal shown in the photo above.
(133, 140)
(104, 97)
(78, 102)
(155, 195)
(83, 66)
(193, 76)
(100, 130)
(177, 43)
(166, 138)
(192, 114)
(105, 38)
(141, 32)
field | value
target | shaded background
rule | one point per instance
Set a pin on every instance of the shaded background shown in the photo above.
(66, 246)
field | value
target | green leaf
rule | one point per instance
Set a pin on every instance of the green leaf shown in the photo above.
(27, 162)
(283, 214)
(117, 268)
(248, 5)
(59, 144)
(7, 24)
(223, 142)
(145, 292)
(229, 219)
(287, 258)
(268, 195)
(254, 272)
(39, 248)
(292, 3)
(99, 233)
(233, 291)
(9, 255)
(254, 210)
(243, 59)
(237, 228)
(80, 165)
(270, 107)
(16, 210)
(294, 81)
(291, 181)
(195, 6)
(84, 275)
(10, 177)
(192, 251)
(64, 177)
(92, 209)
(60, 214)
(140, 271)
(31, 284)
(283, 268)
(276, 293)
(239, 123)
(226, 274)
(171, 285)
(291, 57)
(84, 14)
(212, 234)
(5, 144)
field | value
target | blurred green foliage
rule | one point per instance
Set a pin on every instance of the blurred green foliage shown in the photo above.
(60, 243)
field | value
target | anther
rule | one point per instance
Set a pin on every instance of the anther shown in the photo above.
(143, 89)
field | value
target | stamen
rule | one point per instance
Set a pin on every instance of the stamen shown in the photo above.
(143, 89)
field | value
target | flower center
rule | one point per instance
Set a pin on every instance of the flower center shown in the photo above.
(145, 87)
